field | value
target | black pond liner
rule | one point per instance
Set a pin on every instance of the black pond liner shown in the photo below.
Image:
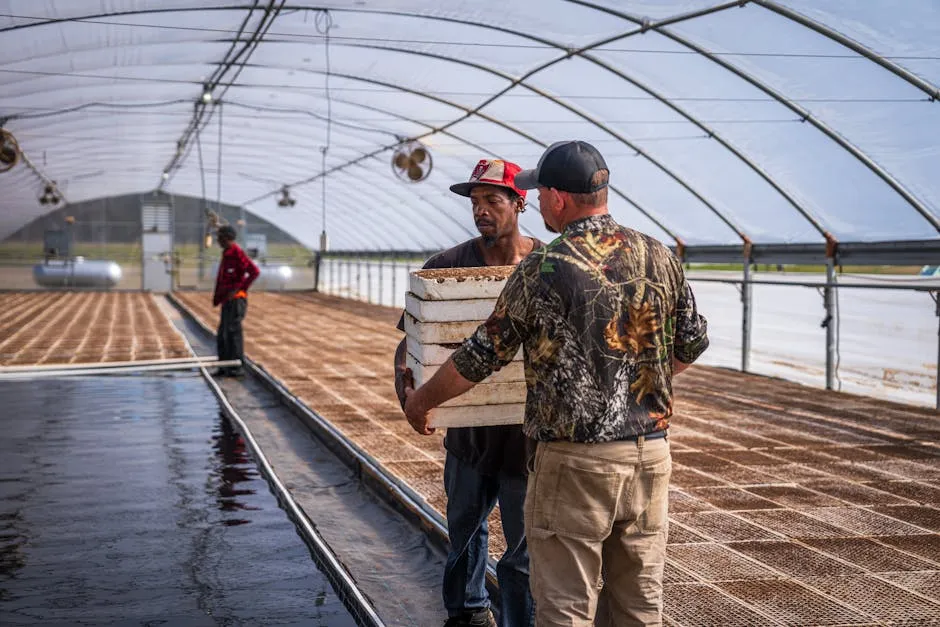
(131, 500)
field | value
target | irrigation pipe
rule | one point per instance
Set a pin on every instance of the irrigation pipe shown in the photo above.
(82, 372)
(107, 364)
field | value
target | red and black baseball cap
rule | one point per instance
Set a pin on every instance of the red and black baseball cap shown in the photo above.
(567, 166)
(491, 172)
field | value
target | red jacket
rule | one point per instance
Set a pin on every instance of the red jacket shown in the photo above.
(236, 272)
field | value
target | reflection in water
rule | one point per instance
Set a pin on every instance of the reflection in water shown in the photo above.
(12, 540)
(234, 466)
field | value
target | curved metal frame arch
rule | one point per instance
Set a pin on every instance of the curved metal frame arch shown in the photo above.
(387, 207)
(804, 114)
(582, 53)
(856, 152)
(607, 40)
(435, 210)
(925, 86)
(435, 130)
(520, 81)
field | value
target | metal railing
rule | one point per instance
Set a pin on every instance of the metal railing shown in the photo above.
(383, 281)
(828, 291)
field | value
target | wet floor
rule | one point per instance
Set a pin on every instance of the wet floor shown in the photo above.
(129, 500)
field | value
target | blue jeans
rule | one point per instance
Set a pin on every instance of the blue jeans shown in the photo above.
(470, 499)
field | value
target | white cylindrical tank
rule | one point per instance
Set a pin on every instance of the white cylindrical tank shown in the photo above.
(272, 277)
(77, 273)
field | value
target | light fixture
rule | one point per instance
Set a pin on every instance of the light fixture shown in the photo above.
(285, 200)
(49, 195)
(165, 175)
(206, 93)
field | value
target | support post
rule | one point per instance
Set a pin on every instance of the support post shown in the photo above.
(369, 281)
(936, 300)
(746, 318)
(829, 323)
(317, 260)
(395, 283)
(358, 278)
(381, 281)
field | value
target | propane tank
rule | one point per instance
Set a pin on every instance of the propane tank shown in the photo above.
(77, 272)
(271, 277)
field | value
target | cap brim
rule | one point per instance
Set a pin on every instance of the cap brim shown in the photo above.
(527, 179)
(462, 189)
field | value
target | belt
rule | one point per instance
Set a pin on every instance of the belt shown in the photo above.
(653, 435)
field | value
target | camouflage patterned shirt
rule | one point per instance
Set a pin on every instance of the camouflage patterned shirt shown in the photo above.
(600, 312)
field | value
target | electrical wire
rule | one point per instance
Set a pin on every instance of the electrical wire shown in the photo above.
(218, 202)
(477, 43)
(579, 96)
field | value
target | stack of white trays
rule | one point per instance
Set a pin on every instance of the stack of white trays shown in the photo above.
(442, 308)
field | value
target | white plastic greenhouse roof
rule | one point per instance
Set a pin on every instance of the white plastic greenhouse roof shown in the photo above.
(722, 122)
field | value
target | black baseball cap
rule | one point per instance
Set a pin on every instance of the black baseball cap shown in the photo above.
(567, 166)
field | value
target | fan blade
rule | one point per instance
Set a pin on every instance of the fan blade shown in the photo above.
(8, 155)
(415, 173)
(419, 155)
(400, 160)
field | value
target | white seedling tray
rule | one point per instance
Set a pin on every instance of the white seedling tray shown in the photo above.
(459, 283)
(512, 373)
(436, 354)
(448, 310)
(439, 332)
(478, 416)
(490, 394)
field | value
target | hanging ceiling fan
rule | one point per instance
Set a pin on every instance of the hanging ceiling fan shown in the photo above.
(9, 151)
(412, 162)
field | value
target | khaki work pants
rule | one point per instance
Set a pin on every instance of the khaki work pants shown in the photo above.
(596, 519)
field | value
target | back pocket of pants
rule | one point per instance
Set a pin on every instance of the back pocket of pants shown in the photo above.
(585, 502)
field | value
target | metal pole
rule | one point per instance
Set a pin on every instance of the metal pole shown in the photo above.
(829, 324)
(746, 318)
(316, 272)
(358, 278)
(395, 282)
(936, 298)
(381, 282)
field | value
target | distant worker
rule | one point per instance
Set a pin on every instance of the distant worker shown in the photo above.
(236, 274)
(606, 319)
(484, 464)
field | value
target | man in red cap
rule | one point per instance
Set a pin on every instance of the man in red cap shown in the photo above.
(484, 464)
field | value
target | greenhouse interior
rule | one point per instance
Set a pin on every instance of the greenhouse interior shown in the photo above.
(160, 157)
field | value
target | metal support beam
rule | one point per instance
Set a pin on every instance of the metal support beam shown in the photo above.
(358, 279)
(394, 280)
(792, 105)
(925, 86)
(746, 294)
(381, 280)
(936, 300)
(317, 260)
(829, 323)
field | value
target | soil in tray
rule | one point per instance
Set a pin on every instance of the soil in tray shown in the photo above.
(491, 273)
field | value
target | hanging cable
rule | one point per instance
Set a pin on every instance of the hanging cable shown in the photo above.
(218, 203)
(202, 169)
(324, 23)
